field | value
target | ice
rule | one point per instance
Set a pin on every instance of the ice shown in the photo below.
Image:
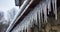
(44, 9)
(54, 3)
(48, 5)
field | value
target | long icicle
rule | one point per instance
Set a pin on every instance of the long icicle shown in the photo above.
(55, 9)
(48, 6)
(54, 4)
(45, 12)
(41, 11)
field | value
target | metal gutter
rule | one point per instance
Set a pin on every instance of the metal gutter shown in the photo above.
(25, 11)
(23, 6)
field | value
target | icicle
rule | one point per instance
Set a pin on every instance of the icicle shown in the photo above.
(41, 14)
(56, 9)
(54, 3)
(45, 12)
(49, 6)
(48, 3)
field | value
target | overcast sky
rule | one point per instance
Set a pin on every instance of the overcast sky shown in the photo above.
(7, 4)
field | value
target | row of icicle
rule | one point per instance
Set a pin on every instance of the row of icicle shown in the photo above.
(43, 10)
(47, 5)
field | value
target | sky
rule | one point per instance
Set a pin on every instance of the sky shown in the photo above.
(7, 5)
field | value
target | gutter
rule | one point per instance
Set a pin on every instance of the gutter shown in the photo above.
(23, 6)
